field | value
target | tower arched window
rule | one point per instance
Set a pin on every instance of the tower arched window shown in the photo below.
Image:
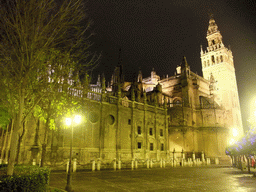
(208, 63)
(221, 58)
(213, 42)
(213, 59)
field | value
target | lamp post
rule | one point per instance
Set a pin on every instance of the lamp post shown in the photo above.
(173, 156)
(70, 122)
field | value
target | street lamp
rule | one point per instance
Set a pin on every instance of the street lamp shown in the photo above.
(234, 136)
(70, 122)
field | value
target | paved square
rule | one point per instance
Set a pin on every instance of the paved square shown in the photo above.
(156, 179)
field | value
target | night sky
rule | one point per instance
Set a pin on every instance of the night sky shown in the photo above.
(158, 33)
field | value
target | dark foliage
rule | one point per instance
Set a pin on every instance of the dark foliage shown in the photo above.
(25, 178)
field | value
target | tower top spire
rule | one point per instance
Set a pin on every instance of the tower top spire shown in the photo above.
(213, 37)
(213, 28)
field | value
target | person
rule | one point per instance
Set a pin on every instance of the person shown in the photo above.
(253, 162)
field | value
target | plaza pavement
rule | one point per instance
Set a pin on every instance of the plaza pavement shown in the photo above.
(179, 179)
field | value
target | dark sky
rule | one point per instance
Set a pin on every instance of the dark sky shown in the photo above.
(158, 33)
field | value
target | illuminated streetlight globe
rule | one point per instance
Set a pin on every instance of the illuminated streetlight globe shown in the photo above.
(77, 119)
(234, 132)
(231, 141)
(68, 121)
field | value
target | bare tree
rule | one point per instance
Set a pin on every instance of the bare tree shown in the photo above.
(31, 32)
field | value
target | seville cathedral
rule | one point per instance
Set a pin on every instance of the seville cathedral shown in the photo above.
(153, 118)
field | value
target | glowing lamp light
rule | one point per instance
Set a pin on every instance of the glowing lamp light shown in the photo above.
(68, 121)
(232, 141)
(77, 119)
(234, 132)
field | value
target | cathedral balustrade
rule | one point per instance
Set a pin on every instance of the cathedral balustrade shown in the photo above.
(139, 106)
(97, 96)
(151, 108)
(75, 92)
(94, 96)
(126, 102)
(112, 99)
(162, 112)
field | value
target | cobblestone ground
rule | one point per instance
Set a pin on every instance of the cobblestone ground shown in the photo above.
(168, 179)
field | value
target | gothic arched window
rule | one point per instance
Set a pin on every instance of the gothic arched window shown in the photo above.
(221, 58)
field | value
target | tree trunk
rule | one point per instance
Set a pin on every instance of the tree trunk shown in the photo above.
(43, 154)
(248, 164)
(44, 142)
(17, 126)
(13, 148)
(19, 142)
(4, 144)
(9, 142)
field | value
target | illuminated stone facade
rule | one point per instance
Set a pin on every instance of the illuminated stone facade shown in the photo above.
(218, 62)
(151, 117)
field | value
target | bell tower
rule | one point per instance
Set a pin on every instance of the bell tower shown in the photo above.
(217, 62)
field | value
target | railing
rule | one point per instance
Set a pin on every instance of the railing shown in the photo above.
(114, 164)
(151, 108)
(139, 106)
(96, 96)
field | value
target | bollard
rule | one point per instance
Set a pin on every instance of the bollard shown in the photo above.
(217, 161)
(74, 165)
(161, 163)
(151, 163)
(132, 165)
(34, 162)
(198, 161)
(148, 163)
(203, 160)
(98, 165)
(67, 166)
(119, 164)
(164, 163)
(194, 162)
(1, 161)
(93, 165)
(190, 162)
(40, 161)
(136, 164)
(194, 156)
(208, 161)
